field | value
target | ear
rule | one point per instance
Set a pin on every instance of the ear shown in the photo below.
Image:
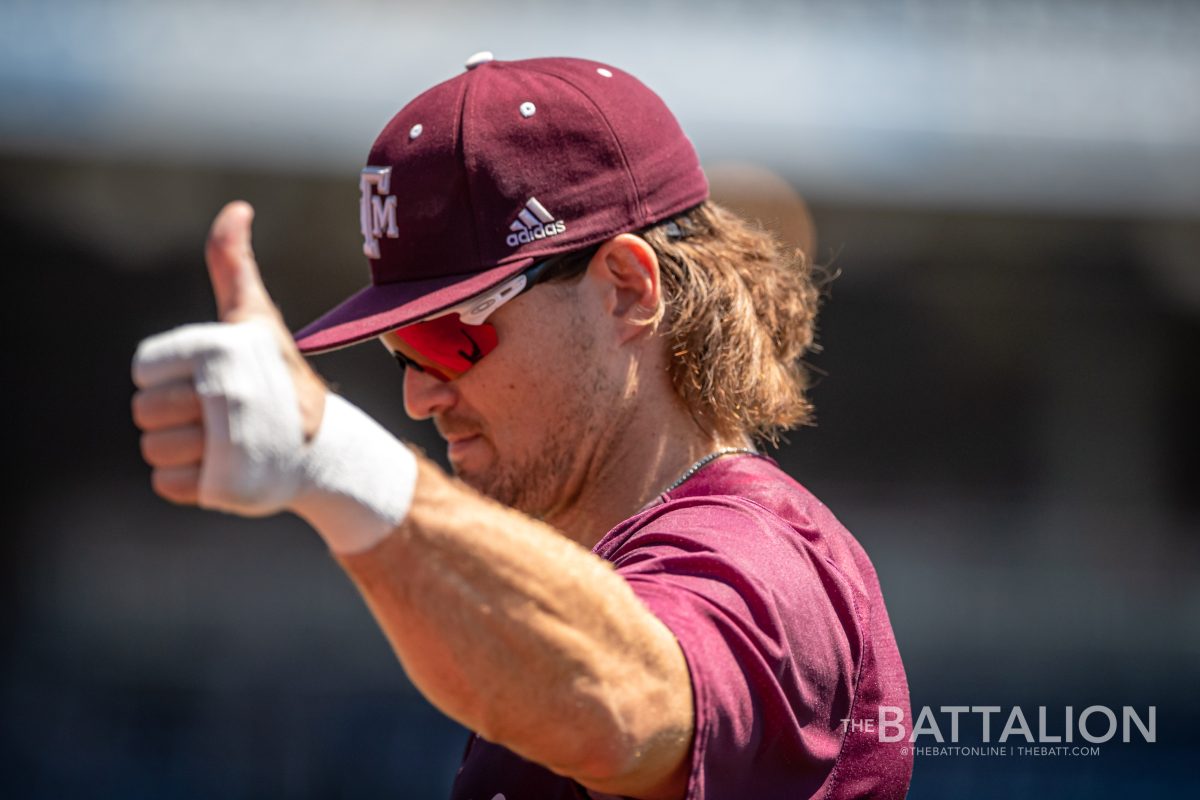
(625, 269)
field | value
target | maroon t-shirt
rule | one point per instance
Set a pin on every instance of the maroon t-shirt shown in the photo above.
(779, 614)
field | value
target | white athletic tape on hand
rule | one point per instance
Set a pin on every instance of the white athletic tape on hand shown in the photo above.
(353, 483)
(253, 440)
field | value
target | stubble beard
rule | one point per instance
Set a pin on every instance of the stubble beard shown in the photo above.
(534, 484)
(531, 484)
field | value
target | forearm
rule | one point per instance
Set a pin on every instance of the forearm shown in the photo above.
(502, 622)
(525, 637)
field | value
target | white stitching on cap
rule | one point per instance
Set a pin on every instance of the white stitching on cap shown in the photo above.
(528, 109)
(605, 72)
(415, 131)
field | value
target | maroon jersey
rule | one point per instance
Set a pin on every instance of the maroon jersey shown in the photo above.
(779, 614)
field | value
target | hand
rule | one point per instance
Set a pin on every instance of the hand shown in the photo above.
(170, 413)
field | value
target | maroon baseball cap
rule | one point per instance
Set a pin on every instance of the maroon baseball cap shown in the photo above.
(500, 167)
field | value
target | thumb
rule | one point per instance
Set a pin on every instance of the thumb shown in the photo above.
(236, 282)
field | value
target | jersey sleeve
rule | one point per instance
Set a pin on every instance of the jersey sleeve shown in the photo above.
(769, 629)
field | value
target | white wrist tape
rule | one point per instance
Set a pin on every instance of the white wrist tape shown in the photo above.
(359, 479)
(354, 482)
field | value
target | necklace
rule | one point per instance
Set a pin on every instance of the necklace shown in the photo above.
(713, 456)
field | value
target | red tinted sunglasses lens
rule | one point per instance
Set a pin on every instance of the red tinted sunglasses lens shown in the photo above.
(406, 360)
(445, 347)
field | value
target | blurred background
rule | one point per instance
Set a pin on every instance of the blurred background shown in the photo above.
(1007, 418)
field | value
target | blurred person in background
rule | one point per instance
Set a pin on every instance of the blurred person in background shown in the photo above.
(617, 592)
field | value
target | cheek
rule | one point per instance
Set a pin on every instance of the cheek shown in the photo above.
(539, 375)
(523, 399)
(497, 394)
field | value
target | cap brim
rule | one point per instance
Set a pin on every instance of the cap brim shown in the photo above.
(380, 308)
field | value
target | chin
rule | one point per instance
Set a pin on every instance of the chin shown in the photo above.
(479, 481)
(499, 485)
(467, 476)
(471, 480)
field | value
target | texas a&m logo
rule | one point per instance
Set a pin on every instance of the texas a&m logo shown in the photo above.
(377, 208)
(377, 214)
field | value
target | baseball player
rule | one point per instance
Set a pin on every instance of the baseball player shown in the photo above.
(618, 593)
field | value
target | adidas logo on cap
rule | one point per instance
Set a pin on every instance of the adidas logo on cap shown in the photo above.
(534, 222)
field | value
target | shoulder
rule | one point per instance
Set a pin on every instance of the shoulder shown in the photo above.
(745, 531)
(725, 523)
(743, 506)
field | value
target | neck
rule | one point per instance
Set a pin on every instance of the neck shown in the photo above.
(634, 462)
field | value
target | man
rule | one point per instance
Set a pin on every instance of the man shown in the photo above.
(621, 596)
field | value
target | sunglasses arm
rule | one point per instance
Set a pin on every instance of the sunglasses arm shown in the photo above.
(478, 309)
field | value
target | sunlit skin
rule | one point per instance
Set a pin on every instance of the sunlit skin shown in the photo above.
(572, 418)
(499, 620)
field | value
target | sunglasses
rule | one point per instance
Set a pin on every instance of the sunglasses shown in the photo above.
(450, 343)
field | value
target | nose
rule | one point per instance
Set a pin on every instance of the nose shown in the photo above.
(425, 395)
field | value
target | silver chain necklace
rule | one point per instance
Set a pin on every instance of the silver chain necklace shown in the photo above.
(694, 468)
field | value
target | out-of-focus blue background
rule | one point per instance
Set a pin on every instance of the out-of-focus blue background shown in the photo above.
(1009, 420)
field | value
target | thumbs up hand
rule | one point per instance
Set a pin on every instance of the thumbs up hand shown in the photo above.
(234, 419)
(241, 297)
(226, 407)
(236, 282)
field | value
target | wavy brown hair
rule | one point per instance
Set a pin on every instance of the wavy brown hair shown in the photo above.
(739, 313)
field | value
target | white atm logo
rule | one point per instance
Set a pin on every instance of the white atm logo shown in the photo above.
(377, 208)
